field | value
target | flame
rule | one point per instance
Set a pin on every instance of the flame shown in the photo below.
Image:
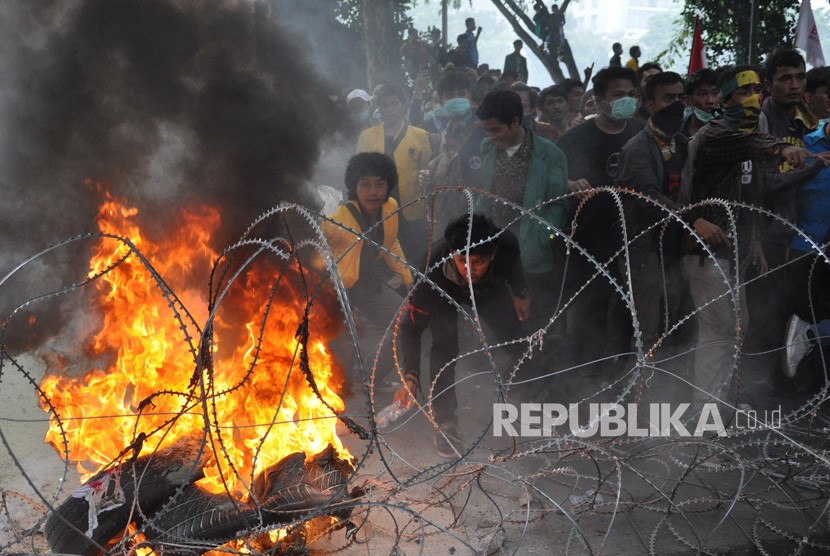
(257, 406)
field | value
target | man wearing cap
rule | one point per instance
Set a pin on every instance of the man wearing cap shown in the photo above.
(357, 103)
(516, 62)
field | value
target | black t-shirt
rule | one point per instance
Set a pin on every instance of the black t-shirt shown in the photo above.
(372, 266)
(594, 155)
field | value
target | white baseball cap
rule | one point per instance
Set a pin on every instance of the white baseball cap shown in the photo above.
(358, 93)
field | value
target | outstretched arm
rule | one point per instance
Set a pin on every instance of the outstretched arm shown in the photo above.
(522, 307)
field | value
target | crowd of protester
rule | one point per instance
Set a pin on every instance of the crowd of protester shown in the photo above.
(719, 169)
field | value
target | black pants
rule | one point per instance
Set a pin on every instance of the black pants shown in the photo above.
(498, 313)
(414, 237)
(599, 324)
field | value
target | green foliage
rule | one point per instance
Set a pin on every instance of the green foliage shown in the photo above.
(453, 4)
(726, 24)
(675, 56)
(348, 13)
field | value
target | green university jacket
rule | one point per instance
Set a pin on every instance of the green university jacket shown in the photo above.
(547, 178)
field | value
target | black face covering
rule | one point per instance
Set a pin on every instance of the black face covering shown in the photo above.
(669, 119)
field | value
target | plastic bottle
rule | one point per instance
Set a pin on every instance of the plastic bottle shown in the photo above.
(389, 414)
(590, 494)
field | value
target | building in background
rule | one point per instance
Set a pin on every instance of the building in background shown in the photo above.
(625, 19)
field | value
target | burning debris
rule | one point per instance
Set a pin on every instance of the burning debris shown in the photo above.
(158, 494)
(168, 101)
(230, 437)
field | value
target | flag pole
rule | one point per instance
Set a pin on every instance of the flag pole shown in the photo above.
(752, 54)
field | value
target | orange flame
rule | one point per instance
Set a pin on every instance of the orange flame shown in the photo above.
(260, 417)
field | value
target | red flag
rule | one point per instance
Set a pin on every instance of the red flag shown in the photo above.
(698, 59)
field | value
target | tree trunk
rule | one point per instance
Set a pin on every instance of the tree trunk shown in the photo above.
(568, 55)
(742, 14)
(568, 58)
(513, 13)
(382, 45)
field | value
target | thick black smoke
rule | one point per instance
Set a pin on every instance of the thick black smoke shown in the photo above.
(168, 102)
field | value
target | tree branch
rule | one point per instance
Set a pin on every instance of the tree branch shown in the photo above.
(520, 13)
(513, 14)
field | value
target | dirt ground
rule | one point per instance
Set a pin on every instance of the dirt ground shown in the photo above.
(753, 491)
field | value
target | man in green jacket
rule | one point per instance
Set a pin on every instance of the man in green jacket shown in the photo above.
(531, 172)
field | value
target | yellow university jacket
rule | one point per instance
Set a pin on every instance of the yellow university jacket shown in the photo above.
(340, 239)
(413, 154)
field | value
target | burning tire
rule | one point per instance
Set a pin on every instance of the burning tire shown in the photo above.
(171, 508)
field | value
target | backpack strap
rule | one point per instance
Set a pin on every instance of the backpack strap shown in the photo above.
(377, 234)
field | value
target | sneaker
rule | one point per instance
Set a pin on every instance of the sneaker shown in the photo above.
(448, 441)
(796, 345)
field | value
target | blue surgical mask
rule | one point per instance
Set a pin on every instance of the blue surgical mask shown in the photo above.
(703, 116)
(377, 115)
(457, 107)
(687, 112)
(623, 108)
(439, 112)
